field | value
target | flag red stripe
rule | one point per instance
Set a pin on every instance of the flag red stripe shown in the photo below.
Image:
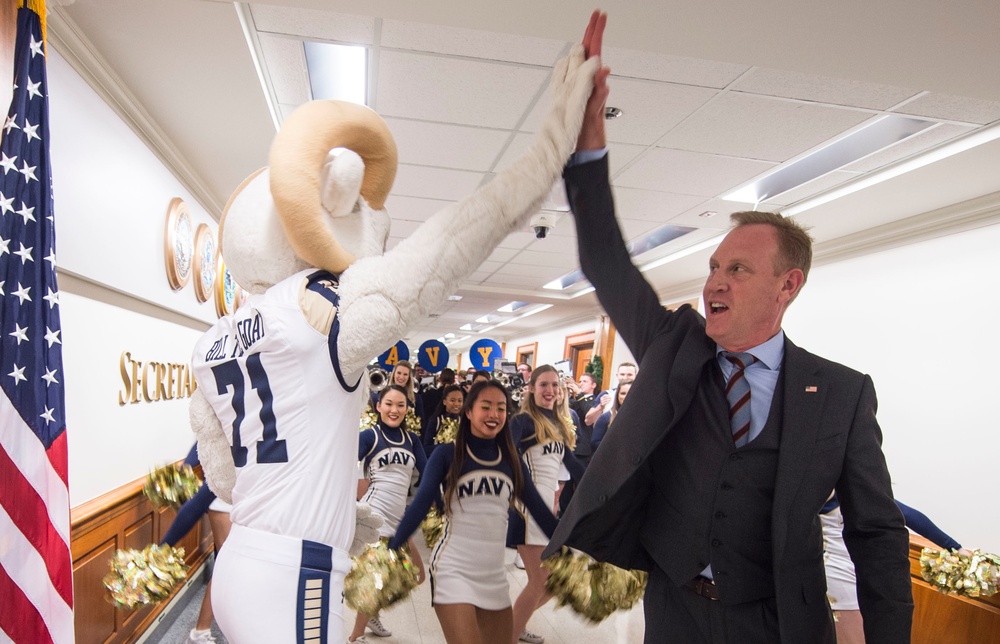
(31, 516)
(57, 457)
(19, 618)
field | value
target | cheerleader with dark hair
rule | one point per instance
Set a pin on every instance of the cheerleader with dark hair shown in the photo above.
(482, 475)
(447, 412)
(392, 457)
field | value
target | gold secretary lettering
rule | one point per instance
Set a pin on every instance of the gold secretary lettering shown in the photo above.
(153, 381)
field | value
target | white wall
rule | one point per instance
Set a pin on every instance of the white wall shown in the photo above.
(111, 198)
(111, 444)
(922, 321)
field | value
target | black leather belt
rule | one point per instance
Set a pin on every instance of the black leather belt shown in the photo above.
(704, 587)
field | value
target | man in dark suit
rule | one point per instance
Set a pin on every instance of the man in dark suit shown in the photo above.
(721, 505)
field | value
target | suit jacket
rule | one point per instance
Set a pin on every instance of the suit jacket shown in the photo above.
(830, 440)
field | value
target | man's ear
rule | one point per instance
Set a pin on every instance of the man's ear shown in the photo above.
(791, 284)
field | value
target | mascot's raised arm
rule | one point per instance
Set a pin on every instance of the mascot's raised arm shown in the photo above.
(278, 400)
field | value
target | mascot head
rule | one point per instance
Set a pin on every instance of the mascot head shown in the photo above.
(320, 203)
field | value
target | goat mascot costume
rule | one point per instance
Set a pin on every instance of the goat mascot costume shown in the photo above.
(278, 400)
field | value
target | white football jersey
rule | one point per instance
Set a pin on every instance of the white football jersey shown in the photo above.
(271, 374)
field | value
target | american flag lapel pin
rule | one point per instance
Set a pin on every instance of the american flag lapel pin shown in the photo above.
(811, 389)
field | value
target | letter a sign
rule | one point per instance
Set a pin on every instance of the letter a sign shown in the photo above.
(396, 352)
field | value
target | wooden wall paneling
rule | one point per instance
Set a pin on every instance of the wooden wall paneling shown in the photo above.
(949, 618)
(95, 617)
(122, 518)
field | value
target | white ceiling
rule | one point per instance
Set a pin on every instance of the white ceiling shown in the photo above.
(713, 94)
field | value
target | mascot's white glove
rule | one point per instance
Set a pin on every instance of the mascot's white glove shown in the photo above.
(366, 528)
(213, 448)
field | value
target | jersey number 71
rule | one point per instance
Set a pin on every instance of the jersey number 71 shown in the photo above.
(228, 374)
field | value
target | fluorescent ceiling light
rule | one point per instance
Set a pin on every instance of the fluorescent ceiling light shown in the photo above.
(958, 146)
(467, 327)
(690, 250)
(489, 317)
(454, 298)
(456, 340)
(856, 144)
(644, 244)
(338, 72)
(511, 307)
(537, 309)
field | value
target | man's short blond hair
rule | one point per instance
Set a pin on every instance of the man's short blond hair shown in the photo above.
(794, 241)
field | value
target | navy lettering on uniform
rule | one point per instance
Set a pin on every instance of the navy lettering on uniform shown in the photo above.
(229, 374)
(248, 332)
(553, 448)
(486, 485)
(395, 458)
(217, 350)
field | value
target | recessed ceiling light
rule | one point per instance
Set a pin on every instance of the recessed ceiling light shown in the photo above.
(537, 309)
(454, 298)
(857, 144)
(486, 319)
(612, 112)
(338, 72)
(511, 307)
(467, 327)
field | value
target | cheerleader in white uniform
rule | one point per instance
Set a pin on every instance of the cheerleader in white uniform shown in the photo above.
(545, 439)
(390, 456)
(481, 477)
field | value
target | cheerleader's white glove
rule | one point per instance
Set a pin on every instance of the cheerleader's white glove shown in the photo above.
(366, 527)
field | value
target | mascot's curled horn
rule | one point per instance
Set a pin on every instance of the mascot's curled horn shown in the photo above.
(277, 405)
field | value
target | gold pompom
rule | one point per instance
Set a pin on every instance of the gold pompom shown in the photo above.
(146, 576)
(171, 485)
(961, 572)
(432, 526)
(368, 419)
(593, 589)
(412, 422)
(447, 432)
(379, 578)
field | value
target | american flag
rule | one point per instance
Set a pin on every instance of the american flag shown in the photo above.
(36, 572)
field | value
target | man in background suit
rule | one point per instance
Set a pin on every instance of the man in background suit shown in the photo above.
(724, 514)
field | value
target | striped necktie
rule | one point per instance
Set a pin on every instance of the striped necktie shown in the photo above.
(738, 396)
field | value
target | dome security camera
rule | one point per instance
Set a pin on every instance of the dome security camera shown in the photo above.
(543, 221)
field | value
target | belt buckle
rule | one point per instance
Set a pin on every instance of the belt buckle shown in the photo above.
(705, 588)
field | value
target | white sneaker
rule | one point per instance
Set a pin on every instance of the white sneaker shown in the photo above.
(201, 637)
(361, 640)
(531, 638)
(375, 626)
(519, 562)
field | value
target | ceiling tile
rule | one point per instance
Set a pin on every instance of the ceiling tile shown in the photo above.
(447, 146)
(619, 154)
(477, 277)
(756, 127)
(652, 205)
(718, 221)
(556, 243)
(502, 255)
(557, 260)
(919, 142)
(462, 91)
(518, 240)
(434, 183)
(512, 281)
(630, 63)
(772, 82)
(489, 267)
(690, 173)
(543, 273)
(403, 227)
(471, 43)
(311, 23)
(953, 108)
(285, 59)
(414, 208)
(649, 109)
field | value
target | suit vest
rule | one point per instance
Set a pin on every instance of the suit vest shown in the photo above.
(711, 503)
